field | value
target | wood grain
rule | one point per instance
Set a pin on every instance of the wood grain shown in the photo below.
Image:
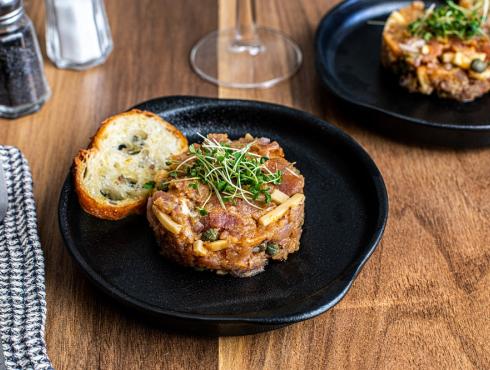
(422, 300)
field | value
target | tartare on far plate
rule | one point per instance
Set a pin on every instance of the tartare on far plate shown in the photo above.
(441, 50)
(228, 206)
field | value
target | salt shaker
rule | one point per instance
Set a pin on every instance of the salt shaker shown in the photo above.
(78, 35)
(23, 86)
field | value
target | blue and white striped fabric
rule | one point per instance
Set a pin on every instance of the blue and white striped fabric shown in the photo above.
(22, 294)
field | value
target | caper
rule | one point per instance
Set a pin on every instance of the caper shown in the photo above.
(272, 249)
(260, 248)
(210, 235)
(162, 186)
(478, 65)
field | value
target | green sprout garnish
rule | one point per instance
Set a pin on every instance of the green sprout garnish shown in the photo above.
(230, 173)
(448, 20)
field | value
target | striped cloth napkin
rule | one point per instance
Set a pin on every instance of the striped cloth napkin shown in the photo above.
(22, 294)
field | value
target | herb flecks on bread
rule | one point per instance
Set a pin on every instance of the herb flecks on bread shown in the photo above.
(114, 176)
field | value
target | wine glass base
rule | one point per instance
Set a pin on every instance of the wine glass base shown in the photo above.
(222, 59)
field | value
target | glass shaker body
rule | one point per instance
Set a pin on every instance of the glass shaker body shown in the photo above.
(78, 35)
(23, 86)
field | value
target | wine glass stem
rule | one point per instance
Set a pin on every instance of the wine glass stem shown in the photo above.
(246, 38)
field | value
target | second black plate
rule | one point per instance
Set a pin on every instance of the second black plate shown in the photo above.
(346, 210)
(348, 61)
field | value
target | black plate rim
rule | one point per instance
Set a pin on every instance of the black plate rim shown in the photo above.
(328, 81)
(125, 300)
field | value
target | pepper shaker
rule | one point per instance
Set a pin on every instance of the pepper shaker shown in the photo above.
(78, 35)
(23, 86)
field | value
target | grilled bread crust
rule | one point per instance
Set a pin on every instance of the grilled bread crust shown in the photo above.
(112, 175)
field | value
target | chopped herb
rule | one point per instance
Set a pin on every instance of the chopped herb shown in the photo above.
(130, 149)
(203, 212)
(193, 185)
(448, 20)
(111, 195)
(138, 139)
(134, 150)
(127, 180)
(149, 185)
(210, 235)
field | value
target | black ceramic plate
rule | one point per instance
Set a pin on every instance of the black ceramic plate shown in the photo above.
(346, 210)
(348, 62)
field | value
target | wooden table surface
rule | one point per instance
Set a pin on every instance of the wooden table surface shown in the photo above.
(422, 300)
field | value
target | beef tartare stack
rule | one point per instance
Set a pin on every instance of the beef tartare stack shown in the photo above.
(228, 206)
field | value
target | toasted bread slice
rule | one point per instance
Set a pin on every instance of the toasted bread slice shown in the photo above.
(113, 177)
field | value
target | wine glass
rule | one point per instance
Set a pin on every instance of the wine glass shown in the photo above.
(246, 56)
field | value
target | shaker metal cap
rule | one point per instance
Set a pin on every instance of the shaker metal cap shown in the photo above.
(9, 8)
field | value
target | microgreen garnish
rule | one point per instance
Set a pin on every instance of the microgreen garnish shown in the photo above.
(448, 20)
(149, 185)
(230, 173)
